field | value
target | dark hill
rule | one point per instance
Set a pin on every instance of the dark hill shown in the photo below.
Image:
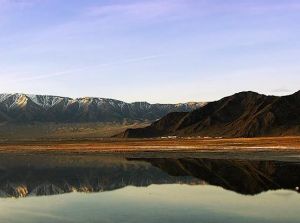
(245, 114)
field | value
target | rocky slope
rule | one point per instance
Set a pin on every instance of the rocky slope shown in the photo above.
(245, 114)
(22, 108)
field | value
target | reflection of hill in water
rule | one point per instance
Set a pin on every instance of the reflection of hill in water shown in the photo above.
(44, 175)
(242, 176)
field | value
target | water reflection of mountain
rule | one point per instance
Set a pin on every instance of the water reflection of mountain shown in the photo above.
(243, 176)
(43, 175)
(56, 175)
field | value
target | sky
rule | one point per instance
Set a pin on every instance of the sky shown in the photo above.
(160, 51)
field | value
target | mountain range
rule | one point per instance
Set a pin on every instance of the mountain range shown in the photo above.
(24, 108)
(245, 114)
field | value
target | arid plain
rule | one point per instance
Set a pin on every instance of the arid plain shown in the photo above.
(178, 145)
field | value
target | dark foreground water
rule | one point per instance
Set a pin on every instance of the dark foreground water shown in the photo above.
(119, 189)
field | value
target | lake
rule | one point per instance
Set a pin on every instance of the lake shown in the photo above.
(121, 188)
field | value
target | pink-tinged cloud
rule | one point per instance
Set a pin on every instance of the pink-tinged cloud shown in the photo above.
(215, 7)
(155, 8)
(264, 8)
(148, 9)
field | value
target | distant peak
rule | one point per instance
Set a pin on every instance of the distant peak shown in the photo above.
(247, 93)
(297, 93)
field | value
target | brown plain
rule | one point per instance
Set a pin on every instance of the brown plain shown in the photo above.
(197, 145)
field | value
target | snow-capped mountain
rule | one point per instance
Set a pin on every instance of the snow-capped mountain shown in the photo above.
(45, 108)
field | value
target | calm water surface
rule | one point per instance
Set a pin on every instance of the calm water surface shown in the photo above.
(46, 189)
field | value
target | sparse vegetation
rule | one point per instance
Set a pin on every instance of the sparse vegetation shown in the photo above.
(55, 131)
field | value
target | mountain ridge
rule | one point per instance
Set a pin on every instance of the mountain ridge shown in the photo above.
(244, 114)
(46, 108)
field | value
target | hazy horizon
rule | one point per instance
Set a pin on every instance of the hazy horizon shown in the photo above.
(156, 51)
(87, 96)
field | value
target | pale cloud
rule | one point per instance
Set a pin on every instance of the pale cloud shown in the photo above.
(145, 9)
(151, 10)
(253, 7)
(5, 4)
(282, 90)
(261, 8)
(82, 69)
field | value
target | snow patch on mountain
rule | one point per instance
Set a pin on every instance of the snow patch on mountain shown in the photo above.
(55, 108)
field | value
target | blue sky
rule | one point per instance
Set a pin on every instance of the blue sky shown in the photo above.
(163, 51)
